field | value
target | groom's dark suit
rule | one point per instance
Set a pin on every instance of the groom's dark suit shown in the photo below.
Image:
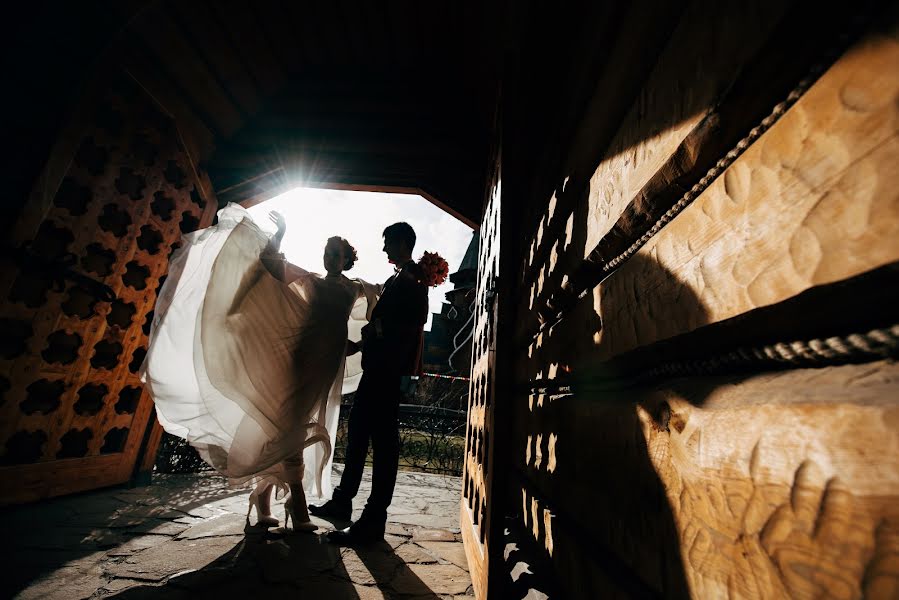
(391, 352)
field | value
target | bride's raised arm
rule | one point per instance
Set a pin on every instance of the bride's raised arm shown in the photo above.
(273, 259)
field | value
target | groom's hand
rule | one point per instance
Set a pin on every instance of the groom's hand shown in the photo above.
(352, 348)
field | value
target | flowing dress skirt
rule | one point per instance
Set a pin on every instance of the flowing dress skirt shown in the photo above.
(246, 368)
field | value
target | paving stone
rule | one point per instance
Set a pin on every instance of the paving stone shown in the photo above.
(294, 560)
(453, 552)
(105, 538)
(119, 584)
(149, 591)
(215, 527)
(137, 544)
(427, 521)
(184, 536)
(67, 583)
(147, 512)
(355, 569)
(441, 579)
(188, 520)
(395, 541)
(202, 580)
(157, 527)
(397, 529)
(412, 553)
(368, 592)
(203, 512)
(165, 560)
(59, 538)
(432, 535)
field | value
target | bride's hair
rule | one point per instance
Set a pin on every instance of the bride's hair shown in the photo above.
(349, 253)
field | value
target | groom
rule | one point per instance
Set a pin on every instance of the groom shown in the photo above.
(391, 355)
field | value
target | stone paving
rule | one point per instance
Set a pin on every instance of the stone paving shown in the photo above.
(185, 536)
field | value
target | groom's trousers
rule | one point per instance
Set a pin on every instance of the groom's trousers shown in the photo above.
(375, 417)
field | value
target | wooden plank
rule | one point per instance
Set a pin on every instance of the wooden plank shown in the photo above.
(198, 136)
(307, 25)
(233, 18)
(145, 456)
(176, 56)
(765, 486)
(356, 37)
(812, 202)
(375, 22)
(478, 561)
(151, 450)
(224, 57)
(271, 18)
(405, 46)
(28, 483)
(332, 24)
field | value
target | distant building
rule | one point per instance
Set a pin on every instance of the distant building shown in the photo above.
(447, 345)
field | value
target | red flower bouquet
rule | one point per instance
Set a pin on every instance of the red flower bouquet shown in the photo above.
(435, 268)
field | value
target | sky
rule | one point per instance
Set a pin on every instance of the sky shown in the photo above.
(313, 215)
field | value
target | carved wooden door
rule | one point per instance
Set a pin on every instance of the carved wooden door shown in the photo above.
(478, 475)
(77, 289)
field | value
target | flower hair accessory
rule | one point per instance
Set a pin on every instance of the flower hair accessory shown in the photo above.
(435, 268)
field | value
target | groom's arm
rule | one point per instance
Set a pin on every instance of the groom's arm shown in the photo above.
(407, 310)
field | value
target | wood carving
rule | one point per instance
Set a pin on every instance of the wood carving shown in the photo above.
(812, 202)
(477, 476)
(784, 485)
(775, 485)
(707, 68)
(74, 412)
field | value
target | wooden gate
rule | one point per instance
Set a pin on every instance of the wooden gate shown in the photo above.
(79, 281)
(478, 475)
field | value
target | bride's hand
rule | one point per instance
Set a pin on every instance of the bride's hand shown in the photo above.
(278, 219)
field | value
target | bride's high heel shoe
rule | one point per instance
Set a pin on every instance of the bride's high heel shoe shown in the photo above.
(289, 513)
(261, 519)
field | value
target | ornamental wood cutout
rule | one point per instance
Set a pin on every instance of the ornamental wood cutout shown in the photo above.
(73, 411)
(477, 473)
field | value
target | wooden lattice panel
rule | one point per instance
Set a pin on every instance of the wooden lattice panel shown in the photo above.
(477, 473)
(70, 356)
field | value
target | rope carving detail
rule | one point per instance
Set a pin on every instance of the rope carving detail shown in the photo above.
(857, 347)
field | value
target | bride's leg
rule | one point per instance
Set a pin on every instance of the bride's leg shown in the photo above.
(265, 499)
(260, 498)
(300, 511)
(293, 469)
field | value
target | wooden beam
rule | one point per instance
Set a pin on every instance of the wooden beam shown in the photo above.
(138, 62)
(232, 18)
(225, 60)
(29, 483)
(178, 57)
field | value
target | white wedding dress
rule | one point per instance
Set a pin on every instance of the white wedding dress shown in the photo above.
(247, 368)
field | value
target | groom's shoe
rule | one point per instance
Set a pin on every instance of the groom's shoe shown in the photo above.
(339, 510)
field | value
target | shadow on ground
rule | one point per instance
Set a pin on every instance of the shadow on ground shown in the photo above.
(305, 564)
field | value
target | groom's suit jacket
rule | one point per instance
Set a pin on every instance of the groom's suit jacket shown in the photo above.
(394, 336)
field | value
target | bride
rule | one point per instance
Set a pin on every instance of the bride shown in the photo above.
(247, 357)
